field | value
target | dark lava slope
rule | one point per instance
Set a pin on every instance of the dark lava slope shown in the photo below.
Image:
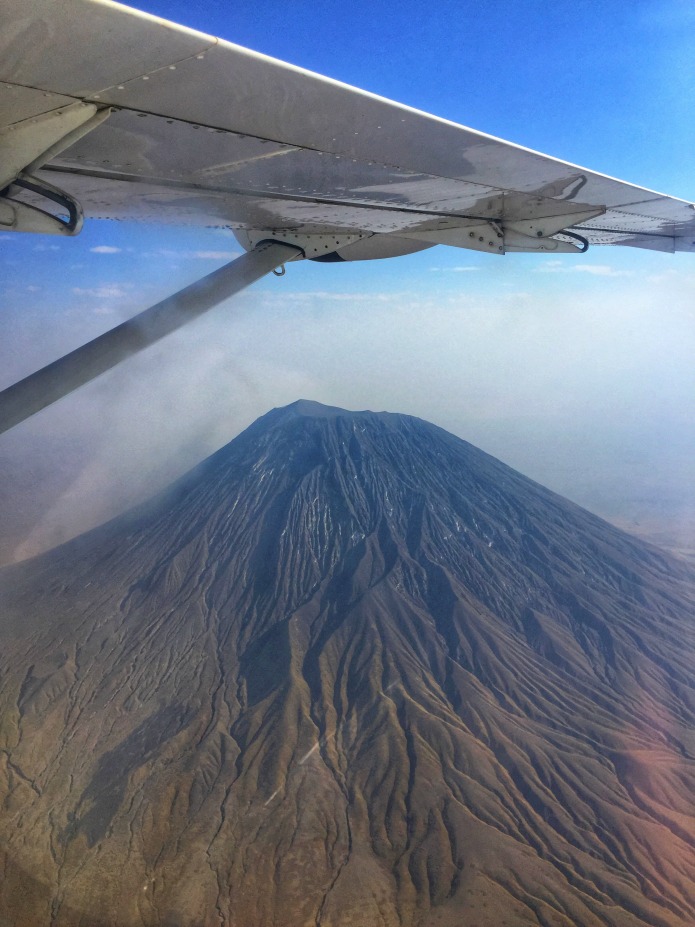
(349, 671)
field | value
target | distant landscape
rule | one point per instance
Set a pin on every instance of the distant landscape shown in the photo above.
(349, 671)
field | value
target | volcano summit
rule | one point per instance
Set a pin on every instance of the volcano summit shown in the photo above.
(348, 671)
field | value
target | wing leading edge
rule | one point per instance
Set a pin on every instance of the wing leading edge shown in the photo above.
(138, 118)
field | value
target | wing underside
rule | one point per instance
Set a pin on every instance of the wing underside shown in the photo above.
(180, 127)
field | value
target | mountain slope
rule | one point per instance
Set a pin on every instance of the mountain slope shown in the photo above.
(349, 671)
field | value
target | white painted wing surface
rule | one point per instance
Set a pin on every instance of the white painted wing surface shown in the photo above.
(205, 132)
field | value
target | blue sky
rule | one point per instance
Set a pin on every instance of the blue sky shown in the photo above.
(577, 371)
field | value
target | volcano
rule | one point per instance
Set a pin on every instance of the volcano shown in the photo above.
(350, 672)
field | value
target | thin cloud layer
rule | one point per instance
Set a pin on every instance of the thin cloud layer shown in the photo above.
(106, 291)
(595, 270)
(601, 270)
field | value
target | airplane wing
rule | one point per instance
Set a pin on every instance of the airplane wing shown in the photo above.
(112, 113)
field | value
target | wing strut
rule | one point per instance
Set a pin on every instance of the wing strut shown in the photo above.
(44, 387)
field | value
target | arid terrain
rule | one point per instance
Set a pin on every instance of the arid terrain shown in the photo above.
(348, 672)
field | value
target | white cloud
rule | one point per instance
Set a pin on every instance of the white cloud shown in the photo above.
(595, 270)
(462, 268)
(192, 255)
(601, 270)
(672, 276)
(552, 267)
(105, 249)
(215, 255)
(107, 291)
(163, 252)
